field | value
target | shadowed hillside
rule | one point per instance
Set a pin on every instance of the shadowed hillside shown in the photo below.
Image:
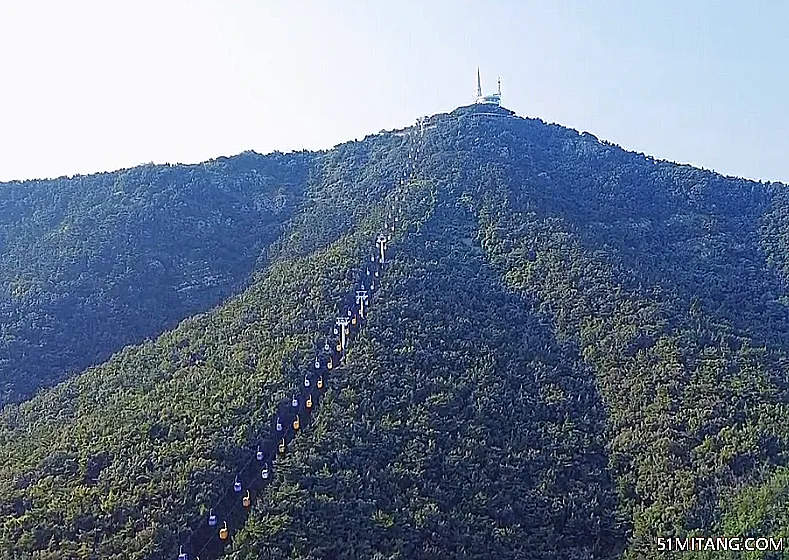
(92, 263)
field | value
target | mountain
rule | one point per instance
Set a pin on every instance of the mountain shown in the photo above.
(572, 351)
(91, 263)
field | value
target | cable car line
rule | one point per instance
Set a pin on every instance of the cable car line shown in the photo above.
(211, 534)
(285, 428)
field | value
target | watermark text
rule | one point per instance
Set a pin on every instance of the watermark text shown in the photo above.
(720, 544)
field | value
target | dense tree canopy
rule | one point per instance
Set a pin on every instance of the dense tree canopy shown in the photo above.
(575, 350)
(91, 263)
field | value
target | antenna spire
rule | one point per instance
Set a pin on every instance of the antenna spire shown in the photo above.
(479, 84)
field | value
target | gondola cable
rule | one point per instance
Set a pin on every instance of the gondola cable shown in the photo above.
(362, 299)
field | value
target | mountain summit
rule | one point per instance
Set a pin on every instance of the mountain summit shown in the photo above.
(573, 350)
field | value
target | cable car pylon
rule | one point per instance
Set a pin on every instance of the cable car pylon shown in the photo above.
(380, 241)
(343, 323)
(361, 299)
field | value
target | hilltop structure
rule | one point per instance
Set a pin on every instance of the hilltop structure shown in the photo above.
(493, 99)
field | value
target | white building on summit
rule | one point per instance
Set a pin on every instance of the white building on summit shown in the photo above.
(493, 99)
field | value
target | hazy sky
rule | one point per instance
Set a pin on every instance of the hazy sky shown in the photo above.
(88, 86)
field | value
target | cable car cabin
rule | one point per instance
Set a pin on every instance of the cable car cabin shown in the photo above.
(339, 349)
(320, 382)
(295, 402)
(368, 271)
(336, 331)
(326, 347)
(353, 320)
(247, 500)
(296, 423)
(309, 401)
(279, 424)
(211, 518)
(237, 485)
(282, 446)
(259, 454)
(182, 555)
(224, 532)
(306, 381)
(330, 363)
(317, 363)
(264, 473)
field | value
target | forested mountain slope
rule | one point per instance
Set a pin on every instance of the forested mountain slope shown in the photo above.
(92, 263)
(576, 349)
(462, 428)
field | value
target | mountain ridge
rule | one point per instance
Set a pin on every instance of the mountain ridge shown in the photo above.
(645, 300)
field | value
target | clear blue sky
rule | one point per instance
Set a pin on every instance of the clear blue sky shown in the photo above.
(98, 85)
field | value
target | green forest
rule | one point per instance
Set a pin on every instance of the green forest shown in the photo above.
(573, 350)
(92, 263)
